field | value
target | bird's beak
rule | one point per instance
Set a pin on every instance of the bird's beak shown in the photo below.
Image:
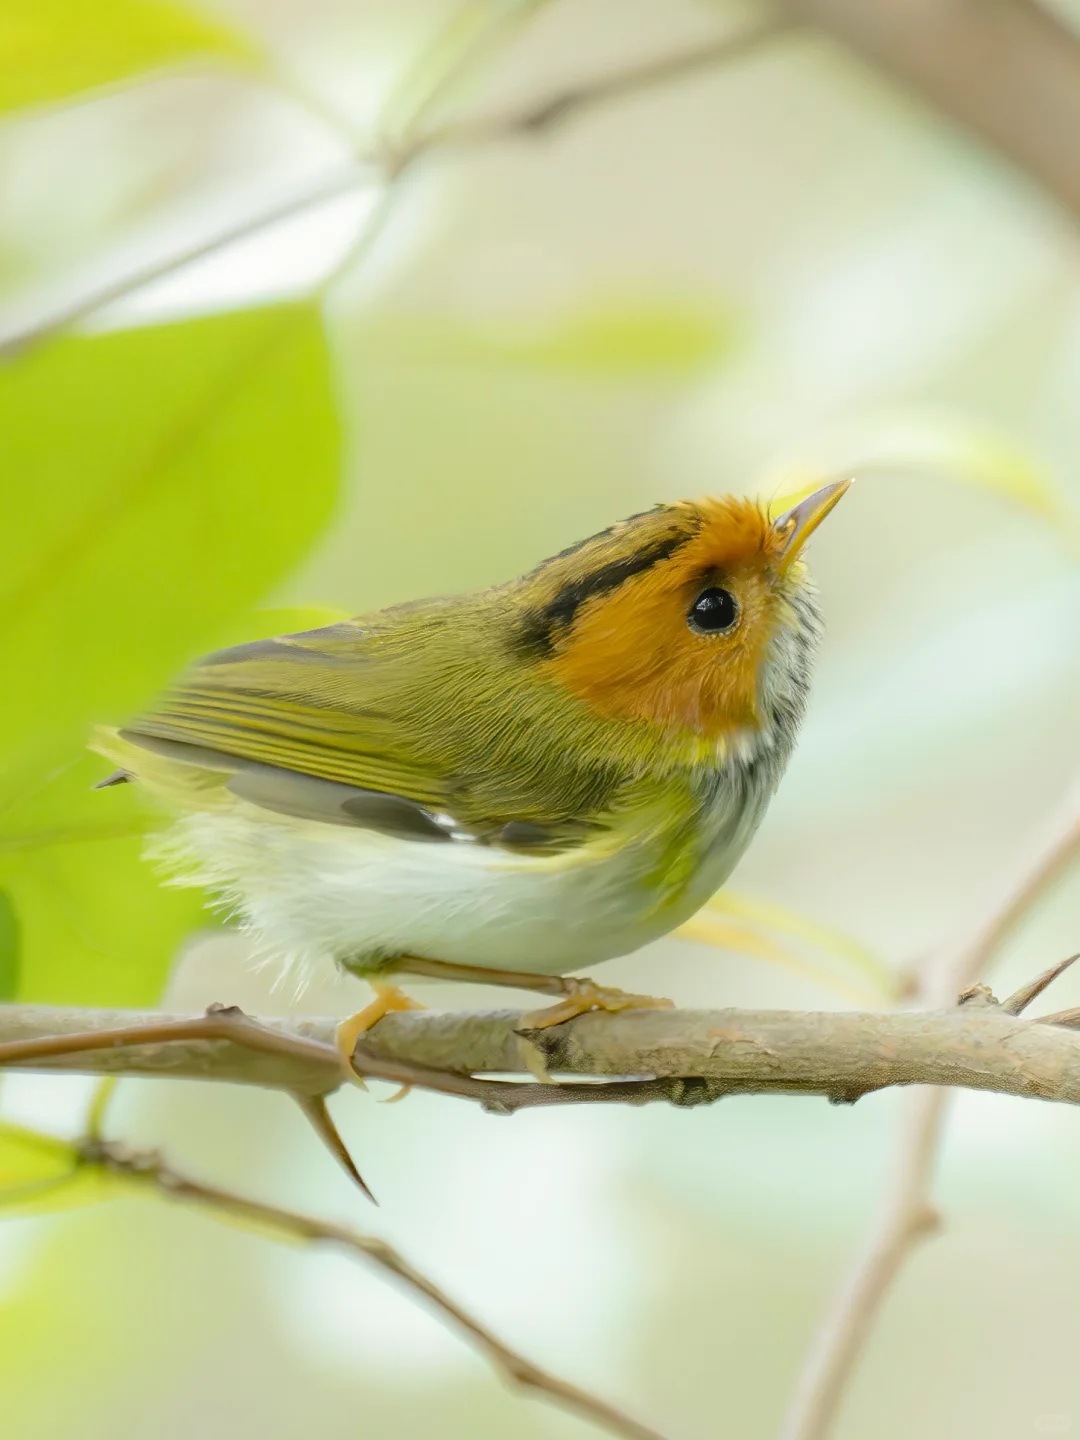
(794, 528)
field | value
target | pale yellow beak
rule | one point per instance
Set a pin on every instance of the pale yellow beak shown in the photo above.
(796, 526)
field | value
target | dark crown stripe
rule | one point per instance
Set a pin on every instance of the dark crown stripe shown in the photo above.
(541, 627)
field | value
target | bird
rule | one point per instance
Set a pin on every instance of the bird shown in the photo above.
(500, 786)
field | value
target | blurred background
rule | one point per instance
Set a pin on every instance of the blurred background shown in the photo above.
(460, 346)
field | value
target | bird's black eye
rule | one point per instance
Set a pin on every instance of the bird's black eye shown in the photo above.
(713, 610)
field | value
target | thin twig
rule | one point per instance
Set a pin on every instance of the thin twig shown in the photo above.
(541, 117)
(514, 1366)
(904, 1220)
(1052, 847)
(387, 165)
(331, 187)
(904, 1217)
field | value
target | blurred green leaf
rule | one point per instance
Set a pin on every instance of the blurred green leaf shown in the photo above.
(94, 921)
(96, 924)
(919, 442)
(284, 620)
(91, 918)
(652, 339)
(9, 948)
(632, 340)
(53, 50)
(31, 1164)
(826, 955)
(158, 482)
(39, 1173)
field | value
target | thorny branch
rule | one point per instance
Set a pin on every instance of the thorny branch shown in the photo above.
(683, 1057)
(906, 1214)
(154, 1172)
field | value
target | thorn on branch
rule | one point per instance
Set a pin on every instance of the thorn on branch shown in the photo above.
(318, 1116)
(1018, 1002)
(1065, 1019)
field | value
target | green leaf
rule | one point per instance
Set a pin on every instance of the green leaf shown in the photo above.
(97, 925)
(92, 918)
(650, 340)
(930, 443)
(825, 955)
(9, 948)
(613, 340)
(52, 50)
(31, 1163)
(159, 481)
(285, 620)
(39, 1173)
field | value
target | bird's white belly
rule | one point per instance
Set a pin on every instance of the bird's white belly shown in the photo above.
(316, 893)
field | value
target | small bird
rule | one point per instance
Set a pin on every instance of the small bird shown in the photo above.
(505, 785)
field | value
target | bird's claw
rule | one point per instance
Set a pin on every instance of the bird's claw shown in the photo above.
(585, 995)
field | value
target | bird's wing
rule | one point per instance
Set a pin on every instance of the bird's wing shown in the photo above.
(323, 726)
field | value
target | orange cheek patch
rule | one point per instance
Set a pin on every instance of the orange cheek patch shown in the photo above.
(632, 655)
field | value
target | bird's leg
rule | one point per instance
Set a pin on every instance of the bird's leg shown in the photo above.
(577, 995)
(388, 1000)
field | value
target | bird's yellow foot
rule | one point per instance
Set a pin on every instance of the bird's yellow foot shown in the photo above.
(584, 995)
(388, 1000)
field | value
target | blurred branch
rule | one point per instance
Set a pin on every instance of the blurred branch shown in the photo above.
(342, 182)
(332, 187)
(540, 117)
(153, 1171)
(906, 1214)
(1008, 72)
(386, 166)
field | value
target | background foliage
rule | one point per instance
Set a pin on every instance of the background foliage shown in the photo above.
(739, 281)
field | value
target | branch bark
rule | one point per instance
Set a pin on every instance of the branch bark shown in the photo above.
(1006, 71)
(682, 1056)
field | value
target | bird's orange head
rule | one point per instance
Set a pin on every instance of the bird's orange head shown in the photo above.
(696, 617)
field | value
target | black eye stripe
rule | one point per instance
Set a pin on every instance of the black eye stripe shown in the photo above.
(541, 627)
(714, 611)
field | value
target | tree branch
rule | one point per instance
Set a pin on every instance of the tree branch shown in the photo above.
(681, 1056)
(1007, 72)
(540, 117)
(906, 1215)
(152, 1170)
(331, 187)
